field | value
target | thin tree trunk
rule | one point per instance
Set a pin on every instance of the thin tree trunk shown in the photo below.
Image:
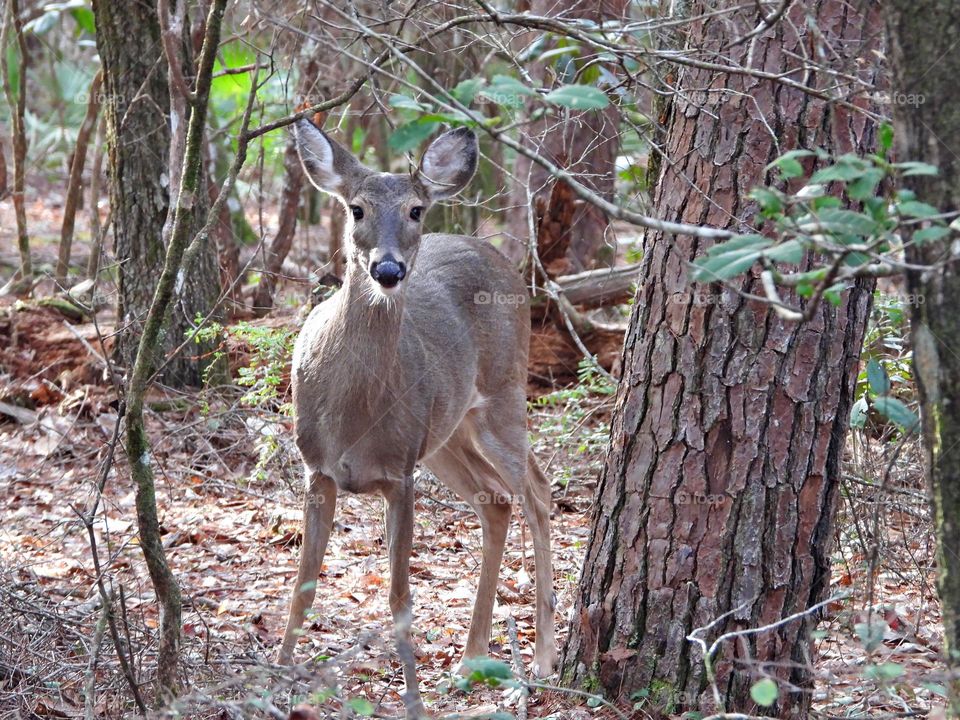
(926, 110)
(18, 106)
(137, 108)
(3, 173)
(75, 183)
(718, 495)
(293, 185)
(138, 449)
(283, 240)
(96, 230)
(583, 143)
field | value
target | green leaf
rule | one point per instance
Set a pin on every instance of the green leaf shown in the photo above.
(825, 202)
(466, 90)
(725, 266)
(769, 200)
(85, 19)
(572, 49)
(764, 692)
(487, 668)
(886, 137)
(929, 234)
(858, 414)
(877, 378)
(841, 171)
(411, 134)
(935, 688)
(361, 706)
(896, 412)
(405, 102)
(885, 672)
(790, 160)
(917, 168)
(578, 97)
(738, 242)
(917, 209)
(871, 635)
(838, 221)
(789, 168)
(506, 90)
(866, 185)
(790, 251)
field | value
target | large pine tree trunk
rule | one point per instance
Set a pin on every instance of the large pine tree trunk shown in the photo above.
(926, 65)
(137, 107)
(721, 482)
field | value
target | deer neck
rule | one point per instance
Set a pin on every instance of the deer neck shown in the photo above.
(371, 325)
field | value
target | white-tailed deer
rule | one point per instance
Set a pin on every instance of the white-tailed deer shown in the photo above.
(421, 356)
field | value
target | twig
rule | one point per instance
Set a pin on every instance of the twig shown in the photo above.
(518, 668)
(90, 688)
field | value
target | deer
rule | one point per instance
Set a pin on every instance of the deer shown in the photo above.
(419, 358)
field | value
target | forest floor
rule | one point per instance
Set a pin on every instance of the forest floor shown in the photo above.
(229, 490)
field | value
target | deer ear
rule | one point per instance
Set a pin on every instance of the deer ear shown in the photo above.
(448, 163)
(329, 166)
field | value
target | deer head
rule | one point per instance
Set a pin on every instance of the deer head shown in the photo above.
(385, 211)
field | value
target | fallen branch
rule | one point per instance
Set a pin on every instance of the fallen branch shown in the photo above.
(600, 288)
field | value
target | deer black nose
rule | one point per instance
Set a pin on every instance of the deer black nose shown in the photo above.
(388, 271)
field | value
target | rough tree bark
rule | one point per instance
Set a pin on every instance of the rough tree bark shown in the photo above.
(721, 482)
(137, 107)
(925, 67)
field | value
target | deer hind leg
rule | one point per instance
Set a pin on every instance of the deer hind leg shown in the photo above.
(503, 439)
(318, 508)
(536, 510)
(461, 468)
(399, 516)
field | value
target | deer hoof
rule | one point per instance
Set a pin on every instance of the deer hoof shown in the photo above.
(546, 665)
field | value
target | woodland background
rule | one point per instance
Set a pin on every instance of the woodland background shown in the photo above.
(736, 223)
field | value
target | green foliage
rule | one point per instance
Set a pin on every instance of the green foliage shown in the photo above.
(78, 10)
(764, 692)
(361, 706)
(272, 348)
(486, 671)
(848, 214)
(421, 117)
(570, 428)
(262, 376)
(578, 97)
(885, 383)
(870, 634)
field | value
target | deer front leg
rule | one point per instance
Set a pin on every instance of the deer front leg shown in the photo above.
(318, 508)
(400, 501)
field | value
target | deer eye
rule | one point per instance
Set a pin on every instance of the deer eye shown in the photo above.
(416, 212)
(357, 212)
